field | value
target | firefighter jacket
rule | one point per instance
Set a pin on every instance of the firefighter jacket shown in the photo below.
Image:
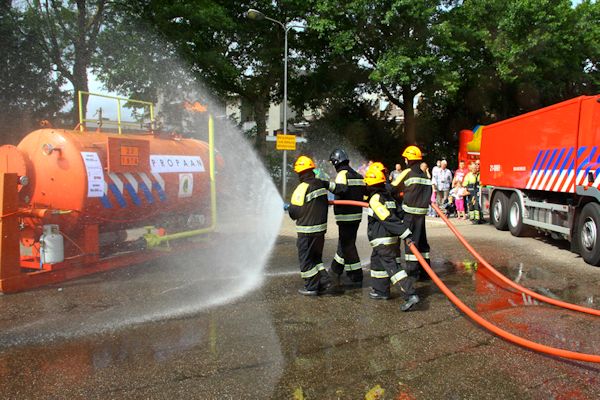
(385, 220)
(309, 204)
(355, 191)
(416, 186)
(471, 182)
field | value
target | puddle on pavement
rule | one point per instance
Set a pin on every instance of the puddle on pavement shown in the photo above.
(520, 314)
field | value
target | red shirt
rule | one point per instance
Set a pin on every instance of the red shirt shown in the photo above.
(460, 174)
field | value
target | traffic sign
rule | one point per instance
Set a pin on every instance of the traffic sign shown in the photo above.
(286, 142)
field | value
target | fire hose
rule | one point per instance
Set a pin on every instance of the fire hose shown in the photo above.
(553, 351)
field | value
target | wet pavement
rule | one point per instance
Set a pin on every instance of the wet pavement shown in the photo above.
(275, 344)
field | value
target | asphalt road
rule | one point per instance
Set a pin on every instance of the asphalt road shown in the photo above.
(272, 343)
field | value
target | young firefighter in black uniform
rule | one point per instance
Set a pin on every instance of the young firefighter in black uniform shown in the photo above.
(416, 186)
(385, 229)
(347, 218)
(309, 208)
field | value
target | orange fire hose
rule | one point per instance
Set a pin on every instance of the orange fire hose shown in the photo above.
(480, 320)
(504, 279)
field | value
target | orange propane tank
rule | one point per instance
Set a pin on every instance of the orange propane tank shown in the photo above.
(115, 181)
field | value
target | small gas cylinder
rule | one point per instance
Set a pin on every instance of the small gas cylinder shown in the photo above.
(52, 249)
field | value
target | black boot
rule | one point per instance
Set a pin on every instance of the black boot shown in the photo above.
(412, 300)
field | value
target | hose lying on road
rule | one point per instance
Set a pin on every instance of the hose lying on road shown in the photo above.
(553, 351)
(504, 279)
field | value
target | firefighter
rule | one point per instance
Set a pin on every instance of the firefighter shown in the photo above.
(416, 186)
(348, 219)
(309, 208)
(471, 182)
(386, 228)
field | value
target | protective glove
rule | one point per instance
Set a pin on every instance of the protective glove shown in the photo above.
(409, 240)
(286, 206)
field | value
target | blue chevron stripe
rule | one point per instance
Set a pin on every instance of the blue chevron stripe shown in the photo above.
(105, 201)
(562, 167)
(134, 197)
(161, 194)
(562, 152)
(147, 193)
(118, 195)
(537, 159)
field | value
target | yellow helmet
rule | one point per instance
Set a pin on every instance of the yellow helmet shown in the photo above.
(303, 163)
(374, 175)
(379, 166)
(412, 153)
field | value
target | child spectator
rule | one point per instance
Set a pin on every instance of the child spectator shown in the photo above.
(459, 193)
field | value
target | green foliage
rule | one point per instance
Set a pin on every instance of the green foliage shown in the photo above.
(397, 42)
(29, 91)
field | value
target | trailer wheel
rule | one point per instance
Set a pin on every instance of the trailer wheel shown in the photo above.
(499, 211)
(588, 234)
(515, 218)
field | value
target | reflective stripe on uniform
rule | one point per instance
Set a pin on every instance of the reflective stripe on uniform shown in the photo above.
(390, 204)
(379, 274)
(398, 260)
(405, 234)
(352, 267)
(398, 276)
(313, 271)
(311, 229)
(414, 210)
(412, 257)
(348, 217)
(299, 194)
(378, 208)
(400, 177)
(331, 186)
(310, 273)
(341, 177)
(418, 181)
(356, 182)
(384, 241)
(316, 193)
(339, 259)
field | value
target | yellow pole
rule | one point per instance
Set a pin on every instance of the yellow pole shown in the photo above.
(81, 122)
(153, 240)
(119, 115)
(211, 166)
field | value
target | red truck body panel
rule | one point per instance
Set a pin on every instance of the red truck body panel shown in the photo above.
(550, 149)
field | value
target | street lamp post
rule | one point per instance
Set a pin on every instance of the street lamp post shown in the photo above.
(257, 15)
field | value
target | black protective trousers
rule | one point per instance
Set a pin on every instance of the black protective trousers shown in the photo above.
(346, 255)
(310, 256)
(385, 270)
(416, 224)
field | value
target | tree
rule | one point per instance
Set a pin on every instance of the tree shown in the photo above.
(229, 54)
(394, 41)
(520, 55)
(29, 92)
(67, 34)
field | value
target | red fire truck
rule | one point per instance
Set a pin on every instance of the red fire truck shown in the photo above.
(541, 171)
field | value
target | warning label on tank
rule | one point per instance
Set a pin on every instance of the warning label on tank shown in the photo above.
(186, 185)
(175, 163)
(95, 174)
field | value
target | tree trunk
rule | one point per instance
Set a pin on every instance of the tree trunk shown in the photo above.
(80, 83)
(409, 116)
(260, 116)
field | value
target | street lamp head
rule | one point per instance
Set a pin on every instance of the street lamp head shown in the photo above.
(254, 14)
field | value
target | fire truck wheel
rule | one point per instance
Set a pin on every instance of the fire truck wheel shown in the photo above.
(515, 218)
(588, 235)
(499, 211)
